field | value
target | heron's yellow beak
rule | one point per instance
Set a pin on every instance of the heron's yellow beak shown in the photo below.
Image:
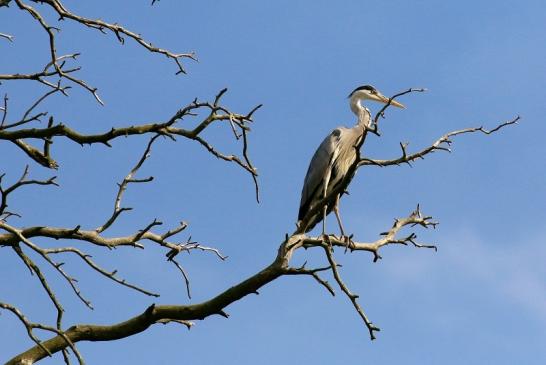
(385, 100)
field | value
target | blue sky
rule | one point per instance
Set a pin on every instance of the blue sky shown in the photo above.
(480, 299)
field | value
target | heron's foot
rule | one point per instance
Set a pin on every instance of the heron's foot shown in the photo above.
(326, 239)
(348, 240)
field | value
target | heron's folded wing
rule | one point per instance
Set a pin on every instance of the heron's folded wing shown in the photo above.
(318, 171)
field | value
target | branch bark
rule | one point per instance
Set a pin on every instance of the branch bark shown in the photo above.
(217, 305)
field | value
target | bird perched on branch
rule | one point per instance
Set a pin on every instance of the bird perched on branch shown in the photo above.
(332, 161)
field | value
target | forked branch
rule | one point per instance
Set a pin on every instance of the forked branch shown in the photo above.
(119, 31)
(441, 144)
(55, 67)
(123, 186)
(215, 113)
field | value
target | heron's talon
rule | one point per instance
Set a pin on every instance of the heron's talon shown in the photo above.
(349, 243)
(326, 239)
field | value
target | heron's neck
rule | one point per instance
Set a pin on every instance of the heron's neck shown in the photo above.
(362, 113)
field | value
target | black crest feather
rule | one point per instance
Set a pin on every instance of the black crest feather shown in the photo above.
(363, 87)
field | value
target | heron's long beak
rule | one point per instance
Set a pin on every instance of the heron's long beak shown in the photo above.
(384, 99)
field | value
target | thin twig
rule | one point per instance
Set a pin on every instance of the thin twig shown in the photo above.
(4, 111)
(352, 297)
(6, 36)
(123, 186)
(313, 273)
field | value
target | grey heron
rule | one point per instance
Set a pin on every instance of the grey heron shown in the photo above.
(333, 158)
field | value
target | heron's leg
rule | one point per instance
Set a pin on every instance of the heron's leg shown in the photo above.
(325, 237)
(338, 217)
(324, 210)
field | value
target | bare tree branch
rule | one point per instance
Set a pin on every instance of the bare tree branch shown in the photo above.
(42, 76)
(53, 50)
(184, 275)
(30, 326)
(188, 324)
(57, 266)
(123, 185)
(188, 246)
(381, 113)
(27, 118)
(389, 237)
(119, 31)
(57, 62)
(15, 236)
(352, 297)
(35, 269)
(441, 144)
(4, 111)
(217, 113)
(21, 182)
(35, 154)
(313, 273)
(109, 274)
(6, 36)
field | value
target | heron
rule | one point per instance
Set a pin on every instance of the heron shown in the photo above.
(332, 161)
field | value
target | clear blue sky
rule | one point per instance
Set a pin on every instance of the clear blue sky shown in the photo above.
(481, 299)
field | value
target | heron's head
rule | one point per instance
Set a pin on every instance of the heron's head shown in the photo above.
(371, 93)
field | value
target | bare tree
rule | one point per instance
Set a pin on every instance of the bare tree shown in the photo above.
(58, 76)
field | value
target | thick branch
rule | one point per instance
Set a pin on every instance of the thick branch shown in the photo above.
(155, 314)
(217, 113)
(30, 326)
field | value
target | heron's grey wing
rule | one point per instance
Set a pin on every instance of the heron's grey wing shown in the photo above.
(345, 155)
(318, 171)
